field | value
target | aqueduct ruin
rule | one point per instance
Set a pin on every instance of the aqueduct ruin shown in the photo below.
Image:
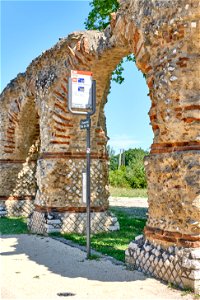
(43, 150)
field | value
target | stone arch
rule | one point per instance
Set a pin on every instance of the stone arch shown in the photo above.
(20, 145)
(163, 36)
(27, 131)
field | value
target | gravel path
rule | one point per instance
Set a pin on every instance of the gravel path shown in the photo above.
(37, 267)
(137, 207)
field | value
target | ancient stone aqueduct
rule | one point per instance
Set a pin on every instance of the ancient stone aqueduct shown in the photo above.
(43, 150)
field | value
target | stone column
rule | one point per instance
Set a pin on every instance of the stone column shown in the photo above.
(18, 151)
(164, 38)
(59, 202)
(169, 248)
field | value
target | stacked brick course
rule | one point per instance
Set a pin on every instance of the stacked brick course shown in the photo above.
(164, 37)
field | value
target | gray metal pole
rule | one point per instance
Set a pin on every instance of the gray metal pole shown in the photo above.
(88, 188)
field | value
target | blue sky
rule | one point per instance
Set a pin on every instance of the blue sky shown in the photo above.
(30, 27)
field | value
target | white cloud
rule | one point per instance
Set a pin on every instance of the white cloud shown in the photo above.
(125, 142)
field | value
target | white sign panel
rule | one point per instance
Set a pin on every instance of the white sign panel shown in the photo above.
(81, 89)
(84, 187)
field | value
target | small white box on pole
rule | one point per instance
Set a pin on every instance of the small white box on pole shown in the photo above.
(84, 187)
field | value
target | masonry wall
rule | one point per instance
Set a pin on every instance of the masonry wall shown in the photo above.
(164, 37)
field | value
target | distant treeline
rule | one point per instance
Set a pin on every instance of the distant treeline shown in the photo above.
(127, 168)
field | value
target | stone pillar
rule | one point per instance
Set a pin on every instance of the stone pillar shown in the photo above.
(170, 247)
(18, 151)
(59, 196)
(164, 38)
(59, 203)
(17, 187)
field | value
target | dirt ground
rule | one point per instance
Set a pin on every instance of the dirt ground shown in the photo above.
(137, 207)
(128, 202)
(37, 267)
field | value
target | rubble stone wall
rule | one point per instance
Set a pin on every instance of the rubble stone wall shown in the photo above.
(164, 38)
(177, 265)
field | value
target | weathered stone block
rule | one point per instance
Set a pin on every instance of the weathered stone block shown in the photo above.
(165, 43)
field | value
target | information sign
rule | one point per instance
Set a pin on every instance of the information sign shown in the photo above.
(84, 124)
(81, 89)
(82, 101)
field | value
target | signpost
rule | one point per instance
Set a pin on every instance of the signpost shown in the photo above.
(81, 93)
(85, 124)
(82, 101)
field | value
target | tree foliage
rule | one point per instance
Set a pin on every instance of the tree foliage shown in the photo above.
(99, 16)
(113, 162)
(131, 175)
(98, 19)
(117, 178)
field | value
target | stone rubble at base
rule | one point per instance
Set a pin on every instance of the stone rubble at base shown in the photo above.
(177, 265)
(67, 222)
(16, 208)
(164, 38)
(3, 211)
(72, 222)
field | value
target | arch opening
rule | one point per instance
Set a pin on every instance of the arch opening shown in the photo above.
(167, 52)
(129, 132)
(27, 132)
(19, 194)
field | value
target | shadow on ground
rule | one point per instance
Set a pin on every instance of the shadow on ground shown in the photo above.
(65, 260)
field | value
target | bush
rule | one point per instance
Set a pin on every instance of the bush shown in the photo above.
(135, 175)
(113, 163)
(131, 175)
(118, 178)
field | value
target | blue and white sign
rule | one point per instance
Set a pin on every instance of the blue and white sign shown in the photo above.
(81, 89)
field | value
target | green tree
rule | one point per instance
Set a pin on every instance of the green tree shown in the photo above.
(98, 19)
(110, 150)
(117, 178)
(113, 159)
(136, 154)
(99, 16)
(133, 173)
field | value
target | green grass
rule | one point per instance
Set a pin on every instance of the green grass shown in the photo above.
(126, 192)
(112, 243)
(13, 225)
(185, 291)
(190, 292)
(94, 257)
(109, 243)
